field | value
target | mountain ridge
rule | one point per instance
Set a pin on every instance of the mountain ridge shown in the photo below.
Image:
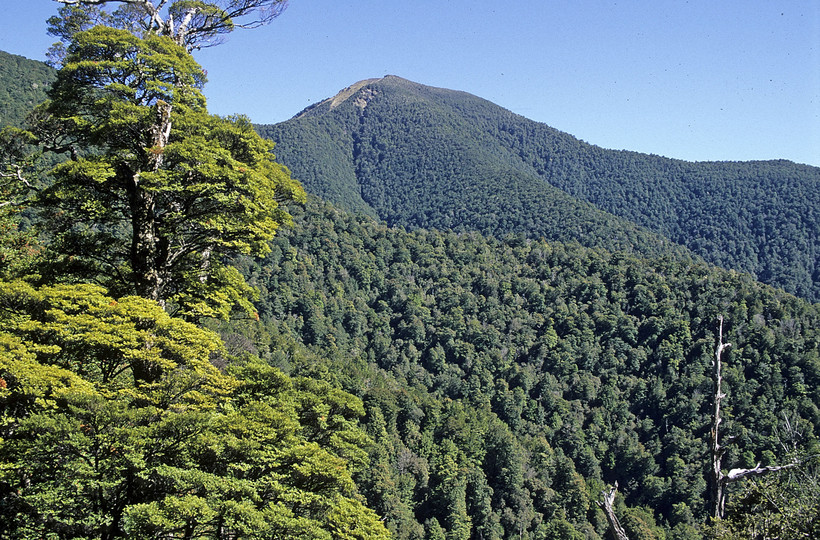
(505, 382)
(421, 156)
(396, 158)
(23, 84)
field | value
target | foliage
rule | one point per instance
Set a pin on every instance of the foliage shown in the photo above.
(417, 156)
(503, 381)
(506, 382)
(23, 86)
(19, 246)
(191, 24)
(786, 505)
(116, 424)
(156, 192)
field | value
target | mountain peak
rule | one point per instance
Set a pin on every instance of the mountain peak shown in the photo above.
(363, 90)
(424, 156)
(347, 93)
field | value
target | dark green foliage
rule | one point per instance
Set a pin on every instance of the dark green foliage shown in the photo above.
(426, 157)
(23, 86)
(506, 382)
(503, 382)
(407, 154)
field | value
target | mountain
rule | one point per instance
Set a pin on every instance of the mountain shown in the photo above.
(417, 156)
(23, 85)
(504, 380)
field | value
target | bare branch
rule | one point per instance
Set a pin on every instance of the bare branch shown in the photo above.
(82, 2)
(196, 27)
(607, 505)
(737, 474)
(18, 174)
(721, 480)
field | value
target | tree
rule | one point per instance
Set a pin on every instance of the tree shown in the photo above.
(115, 424)
(155, 193)
(607, 504)
(15, 165)
(18, 248)
(785, 505)
(721, 480)
(191, 24)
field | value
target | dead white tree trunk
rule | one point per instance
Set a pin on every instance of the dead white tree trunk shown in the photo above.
(607, 505)
(721, 481)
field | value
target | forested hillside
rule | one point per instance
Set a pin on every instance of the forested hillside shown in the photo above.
(424, 157)
(121, 416)
(418, 156)
(507, 381)
(401, 374)
(23, 84)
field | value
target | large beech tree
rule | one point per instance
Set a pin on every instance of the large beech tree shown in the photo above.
(155, 192)
(114, 423)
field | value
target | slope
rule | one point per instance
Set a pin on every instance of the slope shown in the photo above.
(405, 153)
(418, 156)
(506, 381)
(23, 85)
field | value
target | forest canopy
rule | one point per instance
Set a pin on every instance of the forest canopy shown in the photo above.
(188, 352)
(121, 418)
(424, 157)
(506, 382)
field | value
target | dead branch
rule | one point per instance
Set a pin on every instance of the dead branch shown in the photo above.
(721, 480)
(198, 24)
(607, 505)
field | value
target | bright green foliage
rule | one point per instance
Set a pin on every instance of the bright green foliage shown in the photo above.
(156, 192)
(119, 344)
(114, 423)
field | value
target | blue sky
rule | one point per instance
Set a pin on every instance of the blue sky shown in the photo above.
(695, 80)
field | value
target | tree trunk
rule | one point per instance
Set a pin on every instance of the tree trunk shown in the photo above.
(607, 506)
(719, 481)
(148, 259)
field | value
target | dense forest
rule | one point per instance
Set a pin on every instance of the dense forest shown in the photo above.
(121, 415)
(507, 381)
(23, 85)
(433, 158)
(426, 157)
(471, 327)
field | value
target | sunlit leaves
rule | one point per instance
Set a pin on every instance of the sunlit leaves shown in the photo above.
(157, 193)
(114, 422)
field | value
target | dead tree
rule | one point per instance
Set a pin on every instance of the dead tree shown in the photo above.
(607, 505)
(721, 480)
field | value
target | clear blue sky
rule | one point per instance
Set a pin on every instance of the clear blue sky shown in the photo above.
(695, 80)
